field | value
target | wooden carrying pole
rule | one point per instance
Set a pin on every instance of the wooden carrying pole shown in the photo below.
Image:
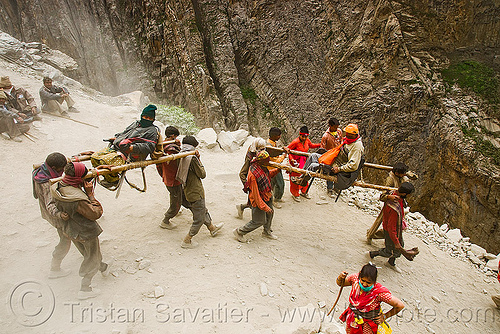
(306, 154)
(329, 177)
(137, 164)
(86, 157)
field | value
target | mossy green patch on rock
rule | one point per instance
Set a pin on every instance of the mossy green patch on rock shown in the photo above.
(178, 117)
(249, 94)
(476, 76)
(481, 145)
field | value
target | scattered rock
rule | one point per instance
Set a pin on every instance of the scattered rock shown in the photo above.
(489, 256)
(493, 264)
(159, 292)
(131, 270)
(263, 289)
(331, 326)
(144, 264)
(454, 235)
(301, 325)
(473, 258)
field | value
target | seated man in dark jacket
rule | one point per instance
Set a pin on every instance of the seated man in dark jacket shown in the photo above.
(139, 139)
(135, 143)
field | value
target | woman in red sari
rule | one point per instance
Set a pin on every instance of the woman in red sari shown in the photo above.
(364, 314)
(303, 144)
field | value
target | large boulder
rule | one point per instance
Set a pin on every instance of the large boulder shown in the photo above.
(10, 47)
(207, 138)
(493, 264)
(240, 136)
(135, 99)
(479, 251)
(227, 141)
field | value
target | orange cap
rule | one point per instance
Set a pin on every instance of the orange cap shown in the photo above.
(351, 128)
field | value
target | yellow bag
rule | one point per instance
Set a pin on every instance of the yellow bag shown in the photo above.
(384, 328)
(107, 156)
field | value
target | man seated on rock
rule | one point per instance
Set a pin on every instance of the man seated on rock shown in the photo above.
(20, 99)
(344, 161)
(135, 143)
(53, 96)
(11, 121)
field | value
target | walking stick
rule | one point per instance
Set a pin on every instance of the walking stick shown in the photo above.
(310, 184)
(338, 297)
(71, 119)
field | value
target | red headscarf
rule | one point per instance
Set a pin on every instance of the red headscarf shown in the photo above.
(77, 180)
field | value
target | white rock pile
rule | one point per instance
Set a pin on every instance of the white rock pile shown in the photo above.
(228, 141)
(449, 240)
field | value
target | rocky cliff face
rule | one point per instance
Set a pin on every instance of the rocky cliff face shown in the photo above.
(268, 63)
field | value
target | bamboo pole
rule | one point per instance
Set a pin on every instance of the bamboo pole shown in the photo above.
(306, 154)
(277, 149)
(376, 166)
(329, 177)
(86, 157)
(137, 164)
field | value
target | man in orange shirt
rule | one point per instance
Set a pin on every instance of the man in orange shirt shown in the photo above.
(302, 143)
(260, 197)
(331, 138)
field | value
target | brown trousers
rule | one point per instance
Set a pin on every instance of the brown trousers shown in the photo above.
(92, 261)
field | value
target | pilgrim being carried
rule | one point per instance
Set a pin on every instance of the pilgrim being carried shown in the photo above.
(344, 161)
(136, 142)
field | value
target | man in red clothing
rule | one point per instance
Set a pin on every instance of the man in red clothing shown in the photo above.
(167, 171)
(260, 197)
(303, 144)
(393, 215)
